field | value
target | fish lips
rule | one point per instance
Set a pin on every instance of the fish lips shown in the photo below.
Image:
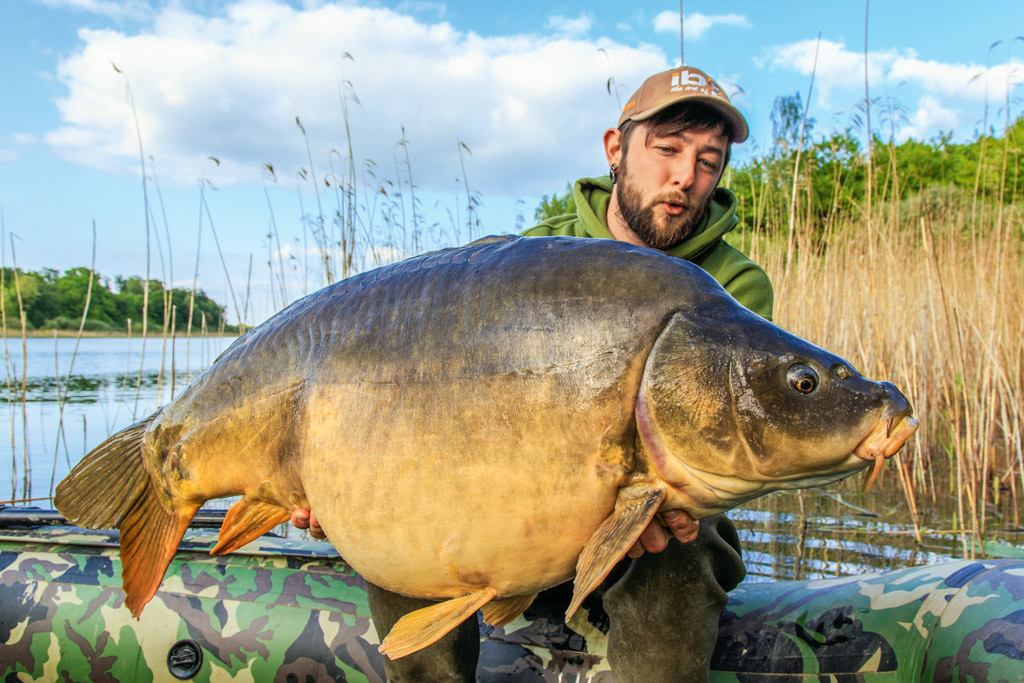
(884, 441)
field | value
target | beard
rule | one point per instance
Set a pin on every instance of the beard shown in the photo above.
(641, 218)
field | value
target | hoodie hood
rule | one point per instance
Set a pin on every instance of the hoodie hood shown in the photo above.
(592, 196)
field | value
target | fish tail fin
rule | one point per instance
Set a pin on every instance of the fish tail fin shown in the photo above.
(426, 626)
(247, 520)
(110, 488)
(103, 487)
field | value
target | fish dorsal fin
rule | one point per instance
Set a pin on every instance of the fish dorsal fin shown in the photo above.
(501, 612)
(247, 520)
(492, 239)
(426, 626)
(634, 508)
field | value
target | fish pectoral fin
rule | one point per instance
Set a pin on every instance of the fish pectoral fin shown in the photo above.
(426, 626)
(247, 520)
(634, 509)
(502, 612)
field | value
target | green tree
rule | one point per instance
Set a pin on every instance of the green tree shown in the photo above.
(55, 300)
(555, 205)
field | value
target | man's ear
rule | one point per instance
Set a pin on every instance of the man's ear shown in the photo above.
(613, 146)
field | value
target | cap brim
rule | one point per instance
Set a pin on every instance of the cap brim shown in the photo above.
(735, 119)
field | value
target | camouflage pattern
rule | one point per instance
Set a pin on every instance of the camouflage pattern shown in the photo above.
(291, 610)
(961, 621)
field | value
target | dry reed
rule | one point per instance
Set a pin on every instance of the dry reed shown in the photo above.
(925, 304)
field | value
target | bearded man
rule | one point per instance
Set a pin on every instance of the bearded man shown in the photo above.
(666, 158)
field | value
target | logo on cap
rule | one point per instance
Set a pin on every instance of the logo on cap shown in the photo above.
(693, 81)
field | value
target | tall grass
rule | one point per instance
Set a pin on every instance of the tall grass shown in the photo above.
(919, 293)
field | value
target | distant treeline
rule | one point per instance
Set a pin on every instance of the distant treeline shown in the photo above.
(918, 178)
(55, 300)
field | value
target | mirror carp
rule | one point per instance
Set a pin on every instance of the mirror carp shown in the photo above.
(477, 424)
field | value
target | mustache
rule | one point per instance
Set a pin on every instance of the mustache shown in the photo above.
(670, 198)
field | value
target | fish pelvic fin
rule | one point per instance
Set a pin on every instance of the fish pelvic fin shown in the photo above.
(502, 612)
(635, 507)
(416, 630)
(247, 520)
(111, 488)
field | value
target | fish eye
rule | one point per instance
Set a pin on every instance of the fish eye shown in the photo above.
(802, 378)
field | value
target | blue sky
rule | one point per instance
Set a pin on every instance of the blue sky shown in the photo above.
(522, 87)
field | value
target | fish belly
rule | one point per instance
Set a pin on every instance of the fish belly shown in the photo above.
(432, 497)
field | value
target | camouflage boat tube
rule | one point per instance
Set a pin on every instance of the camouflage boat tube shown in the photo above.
(288, 610)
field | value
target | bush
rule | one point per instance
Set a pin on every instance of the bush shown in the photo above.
(64, 323)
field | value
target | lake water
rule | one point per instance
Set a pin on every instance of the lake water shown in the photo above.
(836, 531)
(111, 385)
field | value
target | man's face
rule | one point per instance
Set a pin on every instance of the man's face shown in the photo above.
(665, 182)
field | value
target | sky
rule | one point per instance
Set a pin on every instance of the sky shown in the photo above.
(509, 100)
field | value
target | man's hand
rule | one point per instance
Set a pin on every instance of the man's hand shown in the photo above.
(305, 519)
(655, 537)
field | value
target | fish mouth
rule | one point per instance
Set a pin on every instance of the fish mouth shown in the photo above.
(887, 437)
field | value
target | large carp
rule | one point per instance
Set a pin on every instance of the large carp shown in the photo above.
(477, 424)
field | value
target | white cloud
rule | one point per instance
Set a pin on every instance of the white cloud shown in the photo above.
(841, 68)
(959, 80)
(7, 155)
(531, 108)
(23, 138)
(568, 27)
(837, 67)
(696, 24)
(931, 116)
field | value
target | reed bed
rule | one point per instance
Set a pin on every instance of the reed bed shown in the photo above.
(924, 299)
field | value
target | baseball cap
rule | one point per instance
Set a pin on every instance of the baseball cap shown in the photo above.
(683, 84)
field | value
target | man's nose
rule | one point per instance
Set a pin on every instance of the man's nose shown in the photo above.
(684, 170)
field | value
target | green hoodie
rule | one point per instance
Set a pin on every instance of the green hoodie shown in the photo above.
(740, 276)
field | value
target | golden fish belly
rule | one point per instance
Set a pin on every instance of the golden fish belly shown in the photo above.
(426, 500)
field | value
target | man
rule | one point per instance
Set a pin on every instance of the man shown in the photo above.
(665, 158)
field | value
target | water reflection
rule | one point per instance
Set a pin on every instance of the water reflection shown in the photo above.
(105, 385)
(81, 389)
(842, 531)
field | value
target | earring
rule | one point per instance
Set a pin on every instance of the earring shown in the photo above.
(613, 172)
